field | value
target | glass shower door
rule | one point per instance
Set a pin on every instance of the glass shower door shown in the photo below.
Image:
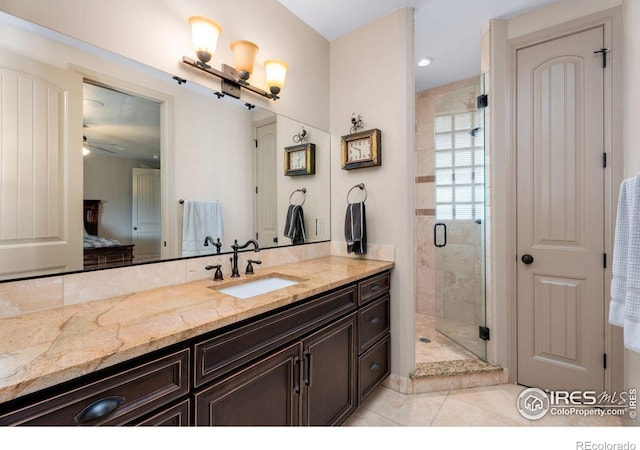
(459, 229)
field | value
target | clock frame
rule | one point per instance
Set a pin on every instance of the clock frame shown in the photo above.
(374, 159)
(300, 160)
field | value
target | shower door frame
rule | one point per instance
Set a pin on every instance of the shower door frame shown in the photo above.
(476, 346)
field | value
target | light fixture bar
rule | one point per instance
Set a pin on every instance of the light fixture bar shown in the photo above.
(235, 82)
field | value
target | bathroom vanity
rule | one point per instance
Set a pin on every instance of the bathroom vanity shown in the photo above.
(306, 354)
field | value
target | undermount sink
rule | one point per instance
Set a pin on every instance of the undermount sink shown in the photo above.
(253, 287)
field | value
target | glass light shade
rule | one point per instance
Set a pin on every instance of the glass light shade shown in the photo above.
(244, 54)
(85, 150)
(204, 33)
(275, 73)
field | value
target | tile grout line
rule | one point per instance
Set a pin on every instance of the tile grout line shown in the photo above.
(440, 408)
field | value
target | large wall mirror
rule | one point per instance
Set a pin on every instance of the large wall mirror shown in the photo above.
(105, 162)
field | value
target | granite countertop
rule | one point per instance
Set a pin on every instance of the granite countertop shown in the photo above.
(42, 349)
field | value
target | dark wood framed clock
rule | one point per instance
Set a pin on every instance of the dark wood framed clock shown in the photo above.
(300, 160)
(362, 149)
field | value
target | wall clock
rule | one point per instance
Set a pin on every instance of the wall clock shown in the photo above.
(361, 149)
(300, 160)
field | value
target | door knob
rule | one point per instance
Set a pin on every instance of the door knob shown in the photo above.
(527, 259)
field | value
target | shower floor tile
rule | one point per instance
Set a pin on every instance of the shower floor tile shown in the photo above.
(439, 348)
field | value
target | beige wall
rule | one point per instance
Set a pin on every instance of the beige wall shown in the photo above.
(372, 75)
(631, 138)
(157, 34)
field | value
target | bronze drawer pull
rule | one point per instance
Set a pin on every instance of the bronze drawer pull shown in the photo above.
(374, 288)
(374, 366)
(99, 408)
(374, 320)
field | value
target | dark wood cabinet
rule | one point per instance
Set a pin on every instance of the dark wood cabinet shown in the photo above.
(311, 363)
(329, 374)
(311, 382)
(267, 392)
(116, 399)
(374, 319)
(173, 416)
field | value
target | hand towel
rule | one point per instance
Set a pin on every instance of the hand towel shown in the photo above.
(199, 220)
(624, 309)
(294, 225)
(355, 229)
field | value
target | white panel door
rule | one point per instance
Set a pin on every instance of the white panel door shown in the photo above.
(266, 186)
(145, 214)
(40, 168)
(560, 213)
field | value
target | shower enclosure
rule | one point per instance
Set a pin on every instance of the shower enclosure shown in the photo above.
(459, 228)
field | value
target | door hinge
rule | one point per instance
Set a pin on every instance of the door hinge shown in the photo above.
(604, 159)
(604, 360)
(256, 236)
(483, 333)
(482, 101)
(604, 260)
(256, 189)
(256, 142)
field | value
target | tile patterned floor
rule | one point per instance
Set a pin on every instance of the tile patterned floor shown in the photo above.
(439, 348)
(482, 406)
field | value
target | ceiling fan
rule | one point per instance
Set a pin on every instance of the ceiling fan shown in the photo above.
(86, 147)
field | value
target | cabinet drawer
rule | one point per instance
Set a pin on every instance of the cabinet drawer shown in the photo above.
(174, 416)
(374, 287)
(114, 400)
(374, 367)
(221, 354)
(373, 322)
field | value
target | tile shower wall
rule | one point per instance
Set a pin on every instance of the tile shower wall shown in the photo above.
(426, 270)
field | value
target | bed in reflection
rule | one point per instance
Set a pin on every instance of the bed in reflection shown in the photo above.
(100, 252)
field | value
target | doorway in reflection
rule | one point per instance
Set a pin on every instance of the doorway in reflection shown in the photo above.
(122, 148)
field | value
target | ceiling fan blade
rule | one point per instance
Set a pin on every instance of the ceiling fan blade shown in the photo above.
(103, 149)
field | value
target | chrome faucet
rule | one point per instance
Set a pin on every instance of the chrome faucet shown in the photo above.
(235, 247)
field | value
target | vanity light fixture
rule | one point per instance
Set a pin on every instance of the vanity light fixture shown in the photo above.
(424, 62)
(205, 33)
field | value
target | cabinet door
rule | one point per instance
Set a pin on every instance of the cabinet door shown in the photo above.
(267, 392)
(329, 373)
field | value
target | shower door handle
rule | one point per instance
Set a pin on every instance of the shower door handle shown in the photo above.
(435, 235)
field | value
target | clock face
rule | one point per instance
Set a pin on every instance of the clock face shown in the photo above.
(359, 150)
(297, 160)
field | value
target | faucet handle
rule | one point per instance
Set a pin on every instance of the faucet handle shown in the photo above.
(250, 265)
(218, 275)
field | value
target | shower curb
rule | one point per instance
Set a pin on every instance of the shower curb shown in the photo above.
(457, 374)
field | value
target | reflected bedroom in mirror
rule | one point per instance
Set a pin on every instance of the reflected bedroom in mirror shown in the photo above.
(109, 163)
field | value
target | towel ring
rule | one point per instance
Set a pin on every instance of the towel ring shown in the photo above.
(304, 197)
(360, 186)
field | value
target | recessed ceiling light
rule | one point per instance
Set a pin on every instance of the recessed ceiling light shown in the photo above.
(425, 62)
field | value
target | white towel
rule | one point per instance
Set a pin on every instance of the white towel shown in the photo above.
(624, 310)
(199, 220)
